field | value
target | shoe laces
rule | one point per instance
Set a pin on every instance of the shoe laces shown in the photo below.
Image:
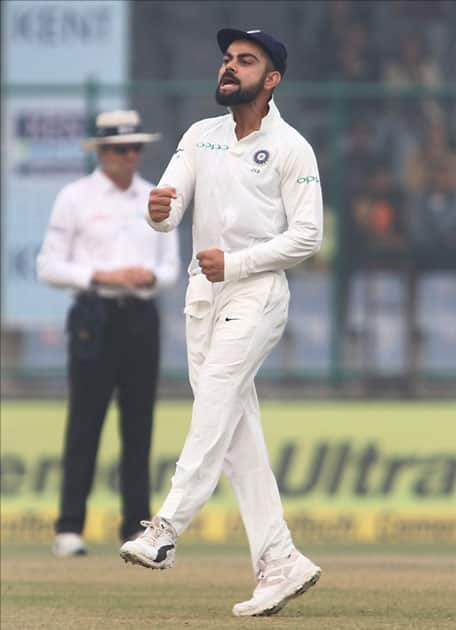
(261, 574)
(155, 529)
(269, 573)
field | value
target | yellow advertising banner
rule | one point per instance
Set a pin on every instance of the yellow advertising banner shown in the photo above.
(347, 472)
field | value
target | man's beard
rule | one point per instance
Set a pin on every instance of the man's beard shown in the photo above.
(240, 96)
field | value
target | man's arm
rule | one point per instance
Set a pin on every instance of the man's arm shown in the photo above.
(168, 202)
(302, 200)
(167, 265)
(54, 265)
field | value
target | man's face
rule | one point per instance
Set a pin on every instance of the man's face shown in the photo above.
(242, 74)
(120, 159)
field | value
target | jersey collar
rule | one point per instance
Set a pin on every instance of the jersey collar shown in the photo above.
(106, 185)
(271, 118)
(267, 122)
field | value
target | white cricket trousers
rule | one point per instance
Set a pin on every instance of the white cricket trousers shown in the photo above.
(226, 347)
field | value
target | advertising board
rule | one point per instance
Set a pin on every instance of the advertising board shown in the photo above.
(349, 472)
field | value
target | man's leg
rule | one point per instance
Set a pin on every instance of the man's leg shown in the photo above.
(91, 383)
(137, 390)
(249, 319)
(248, 468)
(281, 571)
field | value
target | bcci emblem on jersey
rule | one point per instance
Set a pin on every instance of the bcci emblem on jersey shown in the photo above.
(261, 156)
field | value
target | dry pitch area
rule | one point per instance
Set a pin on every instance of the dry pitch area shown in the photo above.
(361, 588)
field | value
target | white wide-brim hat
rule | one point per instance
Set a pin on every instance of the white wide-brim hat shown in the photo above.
(119, 127)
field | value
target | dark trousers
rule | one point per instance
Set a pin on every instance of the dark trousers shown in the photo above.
(113, 346)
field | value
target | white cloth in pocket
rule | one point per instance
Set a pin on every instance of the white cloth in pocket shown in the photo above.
(199, 296)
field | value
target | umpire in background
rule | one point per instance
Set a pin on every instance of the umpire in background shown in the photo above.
(99, 245)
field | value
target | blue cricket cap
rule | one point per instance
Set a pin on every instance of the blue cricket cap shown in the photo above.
(274, 49)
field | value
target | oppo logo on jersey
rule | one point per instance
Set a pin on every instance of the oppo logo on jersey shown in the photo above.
(308, 179)
(212, 146)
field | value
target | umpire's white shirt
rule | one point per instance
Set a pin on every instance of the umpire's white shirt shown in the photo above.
(258, 199)
(95, 225)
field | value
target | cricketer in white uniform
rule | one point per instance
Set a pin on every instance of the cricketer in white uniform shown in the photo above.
(257, 211)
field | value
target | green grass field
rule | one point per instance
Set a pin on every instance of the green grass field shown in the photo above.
(362, 588)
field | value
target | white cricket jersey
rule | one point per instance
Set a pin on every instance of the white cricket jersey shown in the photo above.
(258, 199)
(96, 226)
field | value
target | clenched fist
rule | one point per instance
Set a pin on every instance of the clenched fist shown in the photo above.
(212, 263)
(160, 203)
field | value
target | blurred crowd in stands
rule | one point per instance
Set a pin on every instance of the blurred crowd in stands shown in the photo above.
(399, 166)
(395, 156)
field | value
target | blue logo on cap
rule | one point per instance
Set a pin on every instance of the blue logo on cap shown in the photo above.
(261, 156)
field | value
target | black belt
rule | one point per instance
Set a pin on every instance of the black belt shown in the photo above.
(119, 301)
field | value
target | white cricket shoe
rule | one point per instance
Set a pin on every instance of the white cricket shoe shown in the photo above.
(155, 548)
(278, 582)
(68, 544)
